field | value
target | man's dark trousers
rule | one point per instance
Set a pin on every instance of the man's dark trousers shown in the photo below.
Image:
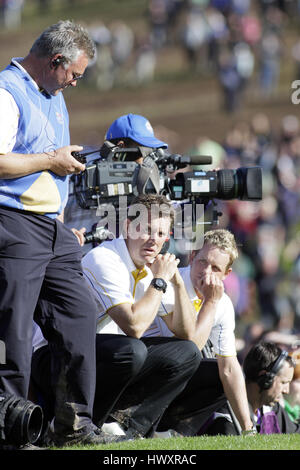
(40, 262)
(137, 379)
(170, 364)
(119, 359)
(187, 413)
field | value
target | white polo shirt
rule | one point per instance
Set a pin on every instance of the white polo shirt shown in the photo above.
(222, 333)
(115, 280)
(9, 116)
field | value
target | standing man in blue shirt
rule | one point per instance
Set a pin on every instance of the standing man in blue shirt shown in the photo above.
(40, 258)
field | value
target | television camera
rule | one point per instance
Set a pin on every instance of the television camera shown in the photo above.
(116, 173)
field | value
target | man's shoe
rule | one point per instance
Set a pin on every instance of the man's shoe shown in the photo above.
(31, 447)
(83, 436)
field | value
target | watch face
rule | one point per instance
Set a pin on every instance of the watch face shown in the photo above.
(159, 284)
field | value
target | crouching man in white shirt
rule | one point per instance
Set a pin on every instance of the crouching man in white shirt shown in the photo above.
(136, 378)
(133, 282)
(203, 279)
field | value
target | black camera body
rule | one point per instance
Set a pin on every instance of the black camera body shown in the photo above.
(116, 173)
(104, 181)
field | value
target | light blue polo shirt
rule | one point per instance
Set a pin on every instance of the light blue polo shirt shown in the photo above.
(43, 126)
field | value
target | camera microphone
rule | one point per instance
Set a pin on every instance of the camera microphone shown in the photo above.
(180, 160)
(200, 160)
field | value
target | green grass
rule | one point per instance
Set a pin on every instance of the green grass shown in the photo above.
(257, 442)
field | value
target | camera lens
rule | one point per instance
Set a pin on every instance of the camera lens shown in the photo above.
(243, 183)
(23, 420)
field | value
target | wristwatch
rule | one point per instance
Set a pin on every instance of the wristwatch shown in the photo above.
(159, 284)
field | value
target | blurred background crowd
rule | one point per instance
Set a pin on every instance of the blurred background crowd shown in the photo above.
(244, 44)
(230, 38)
(265, 283)
(235, 39)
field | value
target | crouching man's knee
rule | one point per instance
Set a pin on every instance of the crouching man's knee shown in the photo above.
(184, 356)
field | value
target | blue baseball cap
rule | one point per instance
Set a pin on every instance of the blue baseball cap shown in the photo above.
(137, 128)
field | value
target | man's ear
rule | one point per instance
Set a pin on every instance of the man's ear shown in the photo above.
(56, 60)
(229, 270)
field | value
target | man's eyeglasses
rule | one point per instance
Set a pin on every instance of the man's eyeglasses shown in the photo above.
(75, 76)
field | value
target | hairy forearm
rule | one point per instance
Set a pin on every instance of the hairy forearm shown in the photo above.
(184, 314)
(234, 387)
(16, 165)
(143, 312)
(204, 323)
(59, 161)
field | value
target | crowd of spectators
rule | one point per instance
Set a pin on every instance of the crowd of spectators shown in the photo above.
(11, 13)
(237, 42)
(264, 285)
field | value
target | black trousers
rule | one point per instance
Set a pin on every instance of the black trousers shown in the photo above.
(40, 262)
(191, 409)
(136, 379)
(170, 364)
(119, 358)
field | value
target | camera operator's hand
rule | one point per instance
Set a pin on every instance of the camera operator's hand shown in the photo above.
(62, 163)
(80, 235)
(164, 266)
(212, 288)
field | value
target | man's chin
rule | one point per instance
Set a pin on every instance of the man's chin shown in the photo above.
(149, 259)
(273, 403)
(57, 91)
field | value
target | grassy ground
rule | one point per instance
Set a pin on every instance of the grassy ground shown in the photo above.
(258, 442)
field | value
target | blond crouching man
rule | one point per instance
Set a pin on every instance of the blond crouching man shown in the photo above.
(215, 322)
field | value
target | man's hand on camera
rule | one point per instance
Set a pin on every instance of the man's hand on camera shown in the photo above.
(62, 163)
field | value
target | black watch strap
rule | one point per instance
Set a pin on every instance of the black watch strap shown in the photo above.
(159, 284)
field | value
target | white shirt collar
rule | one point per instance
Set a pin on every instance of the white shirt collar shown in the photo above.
(125, 255)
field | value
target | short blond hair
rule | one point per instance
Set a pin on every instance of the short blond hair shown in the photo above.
(225, 241)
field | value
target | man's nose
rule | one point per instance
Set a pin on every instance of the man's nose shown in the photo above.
(207, 269)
